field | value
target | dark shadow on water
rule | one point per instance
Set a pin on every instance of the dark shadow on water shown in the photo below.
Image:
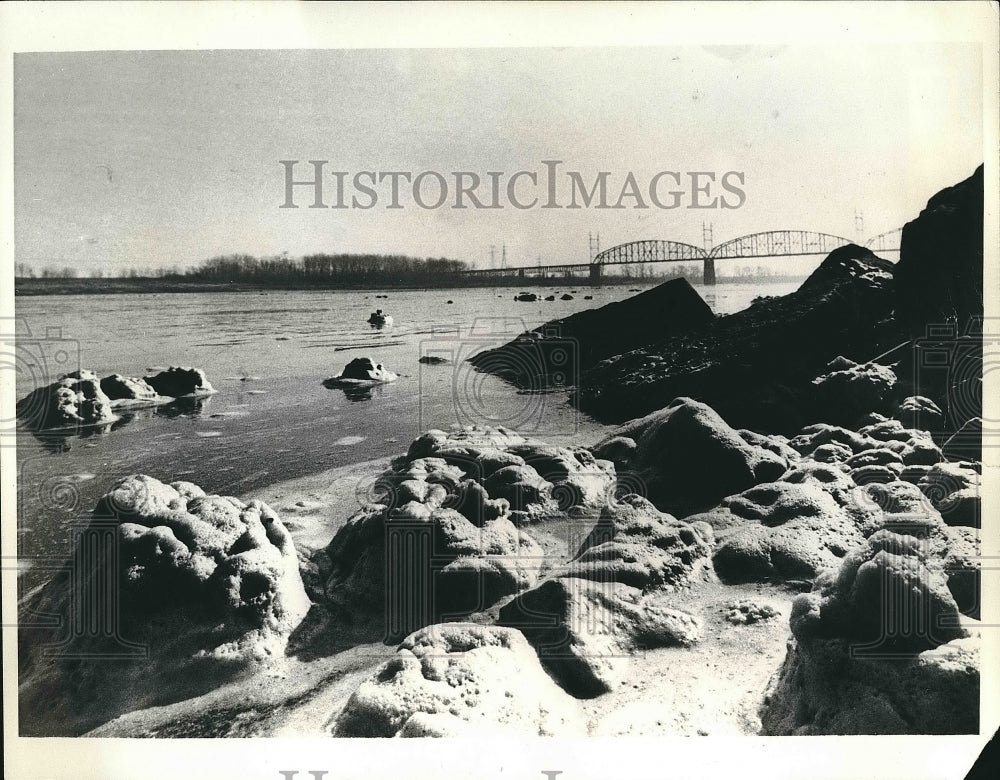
(60, 440)
(183, 407)
(354, 392)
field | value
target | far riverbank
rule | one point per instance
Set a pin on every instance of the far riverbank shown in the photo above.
(146, 285)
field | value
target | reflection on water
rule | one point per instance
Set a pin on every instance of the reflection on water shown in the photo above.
(60, 440)
(355, 392)
(182, 407)
(56, 440)
(362, 392)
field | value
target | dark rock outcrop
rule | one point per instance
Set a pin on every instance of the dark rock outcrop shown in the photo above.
(939, 301)
(756, 367)
(177, 382)
(588, 336)
(361, 369)
(689, 458)
(122, 388)
(939, 276)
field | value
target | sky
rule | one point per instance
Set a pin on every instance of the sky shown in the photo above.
(158, 159)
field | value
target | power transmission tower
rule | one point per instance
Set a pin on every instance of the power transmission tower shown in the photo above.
(493, 255)
(503, 259)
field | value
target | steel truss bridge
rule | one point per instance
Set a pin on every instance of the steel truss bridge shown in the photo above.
(774, 243)
(886, 242)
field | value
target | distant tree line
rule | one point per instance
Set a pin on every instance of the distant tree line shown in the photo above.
(24, 271)
(371, 270)
(324, 270)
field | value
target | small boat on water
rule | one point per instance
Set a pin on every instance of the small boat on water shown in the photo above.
(379, 318)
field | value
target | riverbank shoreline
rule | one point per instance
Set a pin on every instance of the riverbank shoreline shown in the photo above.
(87, 286)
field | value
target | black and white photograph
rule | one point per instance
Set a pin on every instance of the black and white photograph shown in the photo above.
(577, 388)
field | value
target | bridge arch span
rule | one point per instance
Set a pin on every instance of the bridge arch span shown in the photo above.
(779, 243)
(650, 251)
(886, 242)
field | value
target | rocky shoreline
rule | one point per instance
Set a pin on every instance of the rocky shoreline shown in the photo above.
(782, 537)
(759, 368)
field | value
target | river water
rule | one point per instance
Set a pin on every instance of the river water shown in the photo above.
(267, 355)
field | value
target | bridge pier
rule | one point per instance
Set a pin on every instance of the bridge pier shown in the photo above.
(709, 275)
(595, 273)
